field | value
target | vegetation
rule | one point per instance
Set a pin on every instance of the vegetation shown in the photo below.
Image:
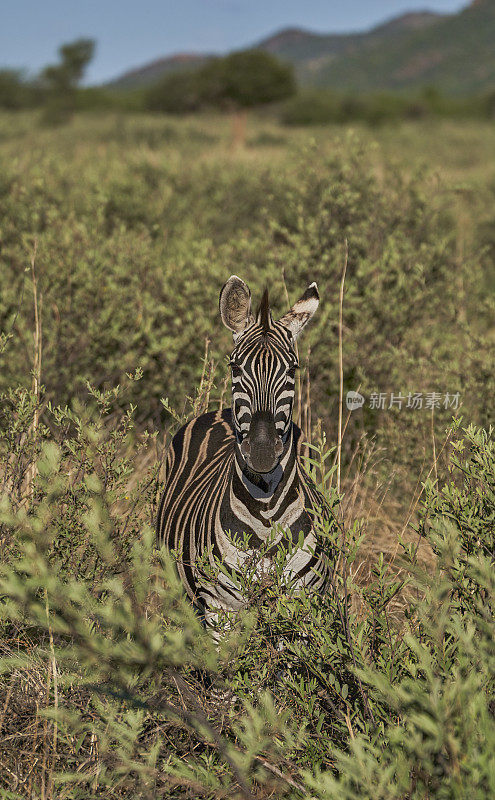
(74, 58)
(15, 91)
(116, 234)
(453, 52)
(403, 69)
(404, 54)
(240, 80)
(126, 213)
(61, 79)
(128, 697)
(57, 90)
(321, 107)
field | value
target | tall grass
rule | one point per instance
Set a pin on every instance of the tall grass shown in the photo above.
(103, 661)
(116, 237)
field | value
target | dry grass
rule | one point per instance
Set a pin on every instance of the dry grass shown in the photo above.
(369, 505)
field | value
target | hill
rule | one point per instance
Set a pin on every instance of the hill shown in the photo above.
(452, 52)
(152, 72)
(299, 47)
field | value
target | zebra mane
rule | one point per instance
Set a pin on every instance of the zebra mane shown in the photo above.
(263, 316)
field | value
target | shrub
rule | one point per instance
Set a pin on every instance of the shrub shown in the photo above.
(321, 107)
(179, 93)
(15, 91)
(104, 659)
(240, 80)
(132, 252)
(62, 79)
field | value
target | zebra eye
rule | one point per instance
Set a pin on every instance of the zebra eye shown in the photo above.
(236, 370)
(291, 372)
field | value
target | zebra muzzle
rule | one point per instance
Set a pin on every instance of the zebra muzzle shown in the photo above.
(262, 446)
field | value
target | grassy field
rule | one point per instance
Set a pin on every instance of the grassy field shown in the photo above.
(138, 221)
(459, 150)
(116, 235)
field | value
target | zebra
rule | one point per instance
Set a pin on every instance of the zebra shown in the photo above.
(238, 472)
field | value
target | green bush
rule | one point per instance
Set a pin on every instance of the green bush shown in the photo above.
(60, 80)
(135, 240)
(16, 92)
(108, 685)
(179, 93)
(322, 107)
(103, 657)
(244, 79)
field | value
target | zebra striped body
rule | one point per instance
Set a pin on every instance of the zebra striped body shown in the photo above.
(238, 472)
(207, 495)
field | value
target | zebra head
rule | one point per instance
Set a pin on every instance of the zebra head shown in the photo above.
(263, 364)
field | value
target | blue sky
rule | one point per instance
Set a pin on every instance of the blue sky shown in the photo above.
(130, 33)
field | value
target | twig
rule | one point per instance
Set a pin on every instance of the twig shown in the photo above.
(287, 299)
(5, 706)
(19, 305)
(341, 365)
(223, 392)
(37, 332)
(433, 441)
(197, 720)
(31, 475)
(413, 509)
(349, 413)
(94, 749)
(45, 739)
(203, 395)
(35, 741)
(275, 770)
(55, 693)
(349, 725)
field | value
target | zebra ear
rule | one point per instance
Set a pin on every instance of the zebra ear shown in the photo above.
(235, 305)
(302, 311)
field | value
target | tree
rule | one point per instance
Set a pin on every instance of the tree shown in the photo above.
(246, 79)
(179, 93)
(238, 81)
(15, 91)
(62, 79)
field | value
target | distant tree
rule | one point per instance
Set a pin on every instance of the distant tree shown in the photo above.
(490, 105)
(234, 83)
(246, 79)
(62, 79)
(241, 80)
(74, 58)
(178, 93)
(15, 92)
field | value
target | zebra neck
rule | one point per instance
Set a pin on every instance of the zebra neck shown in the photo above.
(263, 486)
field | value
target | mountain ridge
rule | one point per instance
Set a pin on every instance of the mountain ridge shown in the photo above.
(405, 52)
(455, 54)
(408, 20)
